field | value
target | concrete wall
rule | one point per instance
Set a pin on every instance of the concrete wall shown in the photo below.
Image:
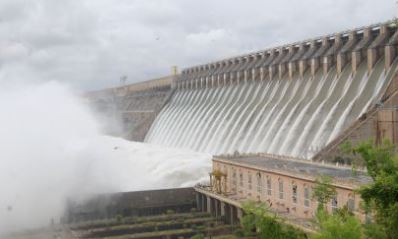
(387, 125)
(129, 111)
(149, 85)
(139, 203)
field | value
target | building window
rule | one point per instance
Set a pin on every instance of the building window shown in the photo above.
(294, 193)
(368, 218)
(234, 181)
(269, 186)
(249, 180)
(306, 197)
(351, 204)
(259, 183)
(280, 189)
(334, 204)
(241, 179)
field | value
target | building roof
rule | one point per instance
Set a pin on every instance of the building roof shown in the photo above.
(297, 168)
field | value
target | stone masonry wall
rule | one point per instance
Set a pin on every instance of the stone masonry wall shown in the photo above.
(129, 111)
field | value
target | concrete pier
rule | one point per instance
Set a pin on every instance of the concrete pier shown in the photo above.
(336, 50)
(229, 213)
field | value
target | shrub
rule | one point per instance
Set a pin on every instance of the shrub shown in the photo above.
(260, 222)
(340, 224)
(170, 212)
(119, 218)
(198, 236)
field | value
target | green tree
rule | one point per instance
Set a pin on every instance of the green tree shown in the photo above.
(259, 221)
(198, 236)
(339, 225)
(381, 195)
(375, 231)
(323, 191)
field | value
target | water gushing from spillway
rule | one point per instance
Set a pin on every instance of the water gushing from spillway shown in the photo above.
(293, 117)
(52, 149)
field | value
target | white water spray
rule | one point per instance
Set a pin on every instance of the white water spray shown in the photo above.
(293, 119)
(52, 149)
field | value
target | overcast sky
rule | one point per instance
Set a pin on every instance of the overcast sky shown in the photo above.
(89, 44)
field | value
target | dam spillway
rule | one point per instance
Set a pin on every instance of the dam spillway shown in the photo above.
(291, 100)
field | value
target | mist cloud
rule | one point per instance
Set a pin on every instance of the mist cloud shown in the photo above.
(52, 149)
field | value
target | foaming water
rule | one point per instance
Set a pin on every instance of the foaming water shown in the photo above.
(293, 117)
(52, 149)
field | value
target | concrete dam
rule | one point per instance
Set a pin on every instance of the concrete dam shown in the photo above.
(273, 121)
(291, 100)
